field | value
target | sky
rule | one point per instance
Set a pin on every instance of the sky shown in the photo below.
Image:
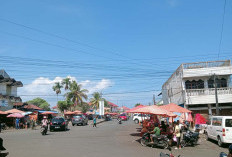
(125, 49)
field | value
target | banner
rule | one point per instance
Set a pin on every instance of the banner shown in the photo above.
(101, 108)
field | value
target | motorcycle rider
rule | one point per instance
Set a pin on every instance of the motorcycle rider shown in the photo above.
(154, 134)
(45, 122)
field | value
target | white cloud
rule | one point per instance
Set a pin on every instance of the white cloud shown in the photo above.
(42, 87)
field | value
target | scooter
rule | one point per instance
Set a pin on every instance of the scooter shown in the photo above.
(43, 130)
(189, 138)
(119, 121)
(162, 141)
(167, 155)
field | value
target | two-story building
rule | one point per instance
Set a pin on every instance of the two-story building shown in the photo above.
(192, 86)
(8, 91)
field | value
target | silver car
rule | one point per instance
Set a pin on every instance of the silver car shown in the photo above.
(79, 120)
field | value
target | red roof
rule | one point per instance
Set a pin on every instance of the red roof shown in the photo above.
(31, 106)
(112, 104)
(125, 108)
(54, 107)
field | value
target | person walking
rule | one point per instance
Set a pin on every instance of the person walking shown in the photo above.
(94, 122)
(17, 121)
(177, 134)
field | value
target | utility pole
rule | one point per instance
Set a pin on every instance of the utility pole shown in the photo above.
(154, 103)
(216, 95)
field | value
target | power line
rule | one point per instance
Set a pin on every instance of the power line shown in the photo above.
(222, 28)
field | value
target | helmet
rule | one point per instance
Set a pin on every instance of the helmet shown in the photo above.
(230, 149)
(45, 117)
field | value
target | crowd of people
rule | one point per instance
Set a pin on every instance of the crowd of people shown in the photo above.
(172, 130)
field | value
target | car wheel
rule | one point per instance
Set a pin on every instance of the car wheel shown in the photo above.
(183, 143)
(165, 145)
(51, 130)
(73, 124)
(220, 142)
(206, 136)
(136, 121)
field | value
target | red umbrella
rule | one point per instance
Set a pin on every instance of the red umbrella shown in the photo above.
(14, 111)
(190, 118)
(77, 112)
(135, 108)
(16, 115)
(69, 112)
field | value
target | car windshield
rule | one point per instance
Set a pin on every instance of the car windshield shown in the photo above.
(79, 116)
(228, 122)
(122, 115)
(59, 120)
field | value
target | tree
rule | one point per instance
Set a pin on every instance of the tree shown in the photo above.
(62, 105)
(137, 104)
(76, 94)
(97, 97)
(57, 88)
(84, 107)
(66, 82)
(40, 103)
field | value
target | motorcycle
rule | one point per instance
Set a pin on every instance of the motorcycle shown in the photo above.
(119, 121)
(167, 155)
(2, 149)
(162, 141)
(189, 138)
(43, 130)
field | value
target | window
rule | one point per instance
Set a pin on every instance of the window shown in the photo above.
(210, 83)
(217, 122)
(228, 122)
(194, 84)
(221, 83)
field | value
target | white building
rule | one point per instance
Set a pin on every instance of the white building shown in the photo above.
(192, 85)
(8, 91)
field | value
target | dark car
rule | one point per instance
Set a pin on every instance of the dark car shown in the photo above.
(90, 117)
(79, 120)
(58, 123)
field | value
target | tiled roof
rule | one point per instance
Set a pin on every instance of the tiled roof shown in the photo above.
(112, 104)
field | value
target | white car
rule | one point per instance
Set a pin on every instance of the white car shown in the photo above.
(137, 117)
(220, 129)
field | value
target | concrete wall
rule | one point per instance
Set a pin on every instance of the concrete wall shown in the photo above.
(207, 71)
(14, 91)
(3, 89)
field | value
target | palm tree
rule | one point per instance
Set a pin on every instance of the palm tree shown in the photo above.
(97, 97)
(66, 82)
(76, 94)
(57, 88)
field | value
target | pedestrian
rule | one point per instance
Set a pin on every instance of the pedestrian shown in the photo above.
(17, 121)
(177, 134)
(95, 122)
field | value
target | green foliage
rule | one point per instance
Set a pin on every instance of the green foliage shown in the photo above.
(40, 103)
(62, 105)
(57, 88)
(137, 104)
(45, 106)
(76, 94)
(96, 98)
(85, 107)
(66, 82)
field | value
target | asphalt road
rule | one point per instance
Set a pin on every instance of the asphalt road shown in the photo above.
(109, 139)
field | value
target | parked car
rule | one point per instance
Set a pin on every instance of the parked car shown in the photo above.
(79, 120)
(123, 117)
(137, 117)
(220, 129)
(58, 123)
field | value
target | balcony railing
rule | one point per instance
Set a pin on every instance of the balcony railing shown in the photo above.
(209, 91)
(206, 64)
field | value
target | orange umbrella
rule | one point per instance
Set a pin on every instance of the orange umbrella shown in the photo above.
(69, 112)
(89, 113)
(14, 111)
(77, 112)
(47, 112)
(2, 112)
(175, 108)
(154, 110)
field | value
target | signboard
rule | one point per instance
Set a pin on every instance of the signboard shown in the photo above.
(101, 108)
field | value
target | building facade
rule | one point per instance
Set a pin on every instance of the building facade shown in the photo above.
(8, 91)
(192, 85)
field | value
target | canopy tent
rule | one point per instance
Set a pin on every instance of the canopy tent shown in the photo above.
(69, 113)
(15, 115)
(14, 111)
(190, 118)
(89, 112)
(175, 108)
(26, 113)
(2, 112)
(110, 113)
(156, 110)
(135, 108)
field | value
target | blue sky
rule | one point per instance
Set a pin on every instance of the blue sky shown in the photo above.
(125, 49)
